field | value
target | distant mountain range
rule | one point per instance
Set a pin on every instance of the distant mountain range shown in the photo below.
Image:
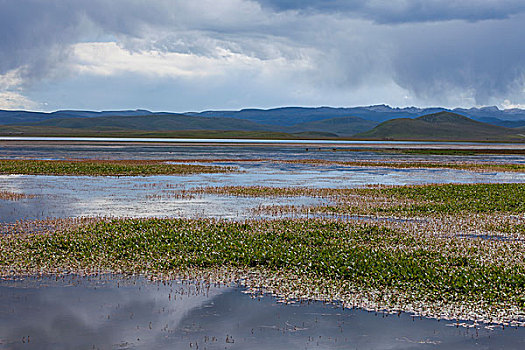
(375, 122)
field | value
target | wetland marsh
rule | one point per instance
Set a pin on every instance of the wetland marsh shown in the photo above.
(435, 236)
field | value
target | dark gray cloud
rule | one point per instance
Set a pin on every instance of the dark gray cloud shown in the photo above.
(31, 32)
(486, 59)
(404, 11)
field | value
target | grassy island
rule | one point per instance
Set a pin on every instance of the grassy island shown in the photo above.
(105, 167)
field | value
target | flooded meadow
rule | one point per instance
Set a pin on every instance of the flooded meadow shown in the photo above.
(116, 306)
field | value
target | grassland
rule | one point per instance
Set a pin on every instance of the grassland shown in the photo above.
(463, 257)
(104, 167)
(9, 130)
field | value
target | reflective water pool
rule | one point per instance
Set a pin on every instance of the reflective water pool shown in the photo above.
(112, 312)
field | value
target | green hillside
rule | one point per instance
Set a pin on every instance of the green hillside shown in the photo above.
(152, 123)
(342, 127)
(180, 125)
(49, 131)
(440, 126)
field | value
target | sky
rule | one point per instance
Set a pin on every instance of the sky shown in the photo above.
(182, 55)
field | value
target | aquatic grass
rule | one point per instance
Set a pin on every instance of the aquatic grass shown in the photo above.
(13, 196)
(105, 167)
(272, 191)
(407, 267)
(453, 198)
(400, 200)
(468, 151)
(392, 164)
(456, 152)
(46, 226)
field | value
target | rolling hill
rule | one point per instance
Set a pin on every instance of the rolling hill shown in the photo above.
(440, 126)
(152, 123)
(335, 127)
(342, 127)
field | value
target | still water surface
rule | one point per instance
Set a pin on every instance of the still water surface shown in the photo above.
(124, 150)
(112, 312)
(235, 141)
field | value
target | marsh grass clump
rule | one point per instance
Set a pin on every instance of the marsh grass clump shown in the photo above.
(13, 196)
(273, 191)
(318, 258)
(105, 167)
(47, 226)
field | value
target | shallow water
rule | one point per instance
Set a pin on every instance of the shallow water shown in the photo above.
(234, 141)
(110, 312)
(77, 196)
(223, 151)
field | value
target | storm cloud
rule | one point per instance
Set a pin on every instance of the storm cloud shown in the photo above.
(403, 11)
(180, 55)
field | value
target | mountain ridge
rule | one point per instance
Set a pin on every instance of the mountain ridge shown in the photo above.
(287, 116)
(294, 121)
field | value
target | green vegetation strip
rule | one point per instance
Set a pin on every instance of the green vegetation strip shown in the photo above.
(402, 200)
(444, 151)
(452, 198)
(268, 191)
(49, 131)
(401, 268)
(481, 167)
(104, 167)
(435, 200)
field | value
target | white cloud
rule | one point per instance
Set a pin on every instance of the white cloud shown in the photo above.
(11, 96)
(11, 79)
(509, 105)
(108, 58)
(15, 100)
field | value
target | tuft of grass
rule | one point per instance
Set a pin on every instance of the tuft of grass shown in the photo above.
(12, 196)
